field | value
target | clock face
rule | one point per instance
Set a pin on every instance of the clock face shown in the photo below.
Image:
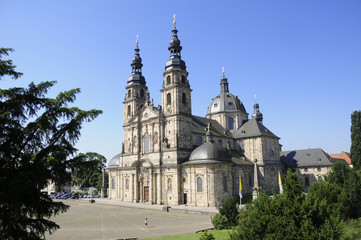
(169, 109)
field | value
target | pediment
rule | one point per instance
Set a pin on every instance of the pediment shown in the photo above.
(145, 113)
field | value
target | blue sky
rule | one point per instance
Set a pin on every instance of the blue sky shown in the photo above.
(301, 58)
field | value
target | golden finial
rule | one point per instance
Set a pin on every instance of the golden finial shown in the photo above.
(174, 22)
(223, 71)
(136, 42)
(255, 98)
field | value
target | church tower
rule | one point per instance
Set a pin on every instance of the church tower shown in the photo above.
(137, 93)
(176, 100)
(176, 91)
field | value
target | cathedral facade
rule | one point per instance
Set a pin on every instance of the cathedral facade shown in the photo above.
(170, 156)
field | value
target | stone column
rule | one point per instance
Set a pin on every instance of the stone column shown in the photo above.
(132, 186)
(151, 190)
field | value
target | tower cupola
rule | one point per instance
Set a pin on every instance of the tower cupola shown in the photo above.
(257, 115)
(136, 77)
(175, 49)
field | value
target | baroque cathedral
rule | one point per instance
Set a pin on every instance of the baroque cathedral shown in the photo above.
(170, 156)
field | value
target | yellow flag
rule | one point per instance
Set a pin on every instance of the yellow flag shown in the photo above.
(240, 187)
(280, 183)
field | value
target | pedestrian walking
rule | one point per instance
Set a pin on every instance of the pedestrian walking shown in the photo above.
(146, 222)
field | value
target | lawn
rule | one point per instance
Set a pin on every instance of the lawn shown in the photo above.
(218, 234)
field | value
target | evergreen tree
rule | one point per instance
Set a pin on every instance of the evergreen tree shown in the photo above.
(356, 139)
(37, 140)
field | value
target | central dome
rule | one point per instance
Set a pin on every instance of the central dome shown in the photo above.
(211, 152)
(225, 101)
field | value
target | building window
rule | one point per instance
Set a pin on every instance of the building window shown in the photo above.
(225, 184)
(169, 99)
(306, 169)
(230, 123)
(146, 145)
(184, 180)
(169, 184)
(184, 100)
(183, 79)
(319, 178)
(168, 79)
(319, 169)
(319, 159)
(271, 153)
(113, 183)
(127, 184)
(129, 110)
(215, 105)
(141, 93)
(199, 140)
(199, 185)
(220, 142)
(307, 181)
(230, 104)
(129, 93)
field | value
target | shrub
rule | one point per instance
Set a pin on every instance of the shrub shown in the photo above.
(220, 222)
(206, 236)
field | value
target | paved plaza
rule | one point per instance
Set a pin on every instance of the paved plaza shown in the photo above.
(108, 219)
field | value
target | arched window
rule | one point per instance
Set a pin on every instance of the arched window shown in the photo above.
(129, 110)
(169, 99)
(146, 145)
(127, 184)
(141, 93)
(224, 183)
(319, 178)
(271, 153)
(184, 100)
(199, 140)
(168, 79)
(199, 185)
(113, 183)
(169, 184)
(230, 123)
(129, 93)
(307, 181)
(183, 79)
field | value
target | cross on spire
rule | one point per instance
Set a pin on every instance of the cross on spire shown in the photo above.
(223, 71)
(136, 42)
(174, 22)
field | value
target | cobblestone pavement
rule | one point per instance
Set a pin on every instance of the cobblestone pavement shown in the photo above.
(110, 219)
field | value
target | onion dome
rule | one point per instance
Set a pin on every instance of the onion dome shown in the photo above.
(136, 77)
(225, 101)
(114, 162)
(209, 152)
(175, 49)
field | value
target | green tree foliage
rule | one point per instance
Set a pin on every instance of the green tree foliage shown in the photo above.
(89, 170)
(36, 147)
(230, 210)
(347, 179)
(352, 230)
(286, 216)
(356, 139)
(207, 236)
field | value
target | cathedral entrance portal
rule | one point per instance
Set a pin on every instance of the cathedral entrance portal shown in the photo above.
(146, 194)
